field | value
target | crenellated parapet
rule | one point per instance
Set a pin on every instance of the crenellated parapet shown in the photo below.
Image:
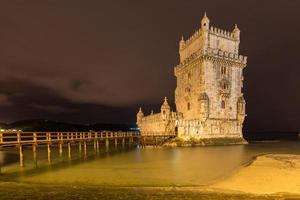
(222, 33)
(213, 30)
(157, 117)
(214, 55)
(186, 43)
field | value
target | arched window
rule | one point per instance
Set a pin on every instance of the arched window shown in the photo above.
(188, 106)
(223, 104)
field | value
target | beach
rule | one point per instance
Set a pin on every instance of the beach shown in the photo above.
(267, 174)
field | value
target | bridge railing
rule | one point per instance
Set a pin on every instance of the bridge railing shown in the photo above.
(15, 138)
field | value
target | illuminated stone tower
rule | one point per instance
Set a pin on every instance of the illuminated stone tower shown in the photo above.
(208, 95)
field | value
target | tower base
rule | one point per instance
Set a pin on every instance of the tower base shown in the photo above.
(180, 142)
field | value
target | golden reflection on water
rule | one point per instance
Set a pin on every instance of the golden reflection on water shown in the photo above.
(2, 157)
(148, 167)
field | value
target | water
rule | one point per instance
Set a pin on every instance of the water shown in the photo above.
(140, 167)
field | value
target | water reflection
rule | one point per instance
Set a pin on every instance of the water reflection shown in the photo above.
(145, 167)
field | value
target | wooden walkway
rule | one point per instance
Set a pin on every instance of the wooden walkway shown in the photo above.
(30, 138)
(35, 138)
(50, 139)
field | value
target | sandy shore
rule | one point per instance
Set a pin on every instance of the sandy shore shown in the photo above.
(268, 177)
(267, 174)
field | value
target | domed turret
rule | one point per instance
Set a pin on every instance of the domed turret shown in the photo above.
(236, 33)
(139, 116)
(205, 23)
(165, 109)
(181, 43)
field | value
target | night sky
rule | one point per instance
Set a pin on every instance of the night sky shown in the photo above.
(88, 61)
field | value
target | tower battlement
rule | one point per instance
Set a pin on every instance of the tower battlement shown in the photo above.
(213, 54)
(209, 37)
(213, 30)
(222, 33)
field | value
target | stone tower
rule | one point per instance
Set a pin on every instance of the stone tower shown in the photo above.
(209, 82)
(208, 97)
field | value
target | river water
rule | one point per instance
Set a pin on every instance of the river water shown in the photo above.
(140, 167)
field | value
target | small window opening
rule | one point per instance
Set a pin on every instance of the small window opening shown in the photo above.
(189, 76)
(223, 104)
(188, 106)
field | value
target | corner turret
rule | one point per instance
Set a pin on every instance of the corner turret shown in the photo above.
(165, 109)
(139, 116)
(181, 43)
(205, 23)
(236, 32)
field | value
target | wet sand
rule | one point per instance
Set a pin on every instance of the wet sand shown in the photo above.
(19, 191)
(268, 174)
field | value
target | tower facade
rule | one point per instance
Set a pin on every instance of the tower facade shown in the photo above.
(208, 97)
(209, 83)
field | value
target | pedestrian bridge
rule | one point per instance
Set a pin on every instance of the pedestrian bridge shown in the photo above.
(79, 139)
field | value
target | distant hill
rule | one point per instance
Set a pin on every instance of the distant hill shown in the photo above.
(48, 125)
(3, 125)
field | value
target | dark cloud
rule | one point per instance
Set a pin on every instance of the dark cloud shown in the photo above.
(101, 59)
(56, 109)
(75, 85)
(4, 100)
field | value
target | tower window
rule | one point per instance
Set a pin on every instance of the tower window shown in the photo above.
(187, 90)
(223, 104)
(223, 70)
(188, 106)
(189, 76)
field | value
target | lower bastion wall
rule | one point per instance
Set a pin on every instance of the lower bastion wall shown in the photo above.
(156, 124)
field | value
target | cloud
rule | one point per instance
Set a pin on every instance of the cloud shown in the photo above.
(55, 109)
(4, 100)
(78, 59)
